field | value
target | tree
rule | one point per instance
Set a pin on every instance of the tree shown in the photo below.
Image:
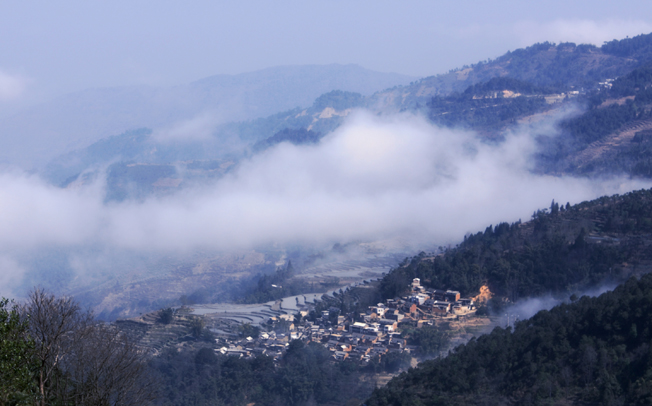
(80, 361)
(16, 364)
(166, 315)
(196, 326)
(107, 368)
(57, 325)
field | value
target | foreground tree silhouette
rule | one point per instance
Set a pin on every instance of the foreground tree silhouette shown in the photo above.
(16, 366)
(80, 361)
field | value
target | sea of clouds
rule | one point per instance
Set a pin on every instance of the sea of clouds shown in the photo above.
(391, 177)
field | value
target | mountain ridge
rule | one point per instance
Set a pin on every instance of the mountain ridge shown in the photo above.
(78, 119)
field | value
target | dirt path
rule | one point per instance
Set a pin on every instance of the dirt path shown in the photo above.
(597, 149)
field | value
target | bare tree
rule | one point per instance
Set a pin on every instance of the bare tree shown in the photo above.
(81, 361)
(109, 369)
(56, 325)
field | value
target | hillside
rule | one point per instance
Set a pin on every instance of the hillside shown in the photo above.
(561, 250)
(588, 352)
(40, 133)
(543, 64)
(490, 98)
(611, 136)
(174, 164)
(607, 136)
(592, 351)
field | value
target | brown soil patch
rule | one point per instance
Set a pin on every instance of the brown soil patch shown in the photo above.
(599, 148)
(619, 102)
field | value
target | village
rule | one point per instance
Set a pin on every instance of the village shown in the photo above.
(357, 337)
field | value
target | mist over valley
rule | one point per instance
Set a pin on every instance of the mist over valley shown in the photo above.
(312, 224)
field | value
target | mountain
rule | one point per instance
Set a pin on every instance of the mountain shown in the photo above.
(563, 249)
(593, 351)
(542, 64)
(200, 158)
(608, 88)
(77, 120)
(613, 135)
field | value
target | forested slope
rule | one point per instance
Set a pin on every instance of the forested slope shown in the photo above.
(593, 351)
(543, 64)
(611, 136)
(559, 250)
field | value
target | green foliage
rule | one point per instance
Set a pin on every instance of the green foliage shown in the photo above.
(247, 330)
(304, 375)
(630, 84)
(593, 351)
(275, 286)
(565, 64)
(391, 362)
(521, 260)
(350, 300)
(609, 113)
(639, 46)
(17, 383)
(295, 136)
(166, 315)
(197, 326)
(339, 100)
(429, 339)
(498, 84)
(482, 106)
(597, 123)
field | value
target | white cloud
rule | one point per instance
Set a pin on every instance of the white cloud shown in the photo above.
(11, 86)
(198, 128)
(579, 31)
(11, 274)
(374, 178)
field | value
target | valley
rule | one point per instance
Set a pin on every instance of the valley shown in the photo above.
(330, 235)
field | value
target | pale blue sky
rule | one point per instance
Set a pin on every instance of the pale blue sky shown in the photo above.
(50, 48)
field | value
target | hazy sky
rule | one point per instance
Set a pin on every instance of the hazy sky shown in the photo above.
(392, 177)
(49, 48)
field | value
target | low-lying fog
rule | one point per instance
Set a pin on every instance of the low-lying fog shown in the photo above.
(374, 178)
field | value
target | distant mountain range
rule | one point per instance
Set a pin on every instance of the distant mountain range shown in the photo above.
(564, 65)
(522, 86)
(38, 134)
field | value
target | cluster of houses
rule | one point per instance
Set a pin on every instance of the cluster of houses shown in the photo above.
(359, 337)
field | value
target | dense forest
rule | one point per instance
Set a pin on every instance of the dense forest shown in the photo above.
(294, 136)
(592, 351)
(562, 249)
(610, 110)
(569, 64)
(305, 375)
(485, 114)
(600, 121)
(559, 250)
